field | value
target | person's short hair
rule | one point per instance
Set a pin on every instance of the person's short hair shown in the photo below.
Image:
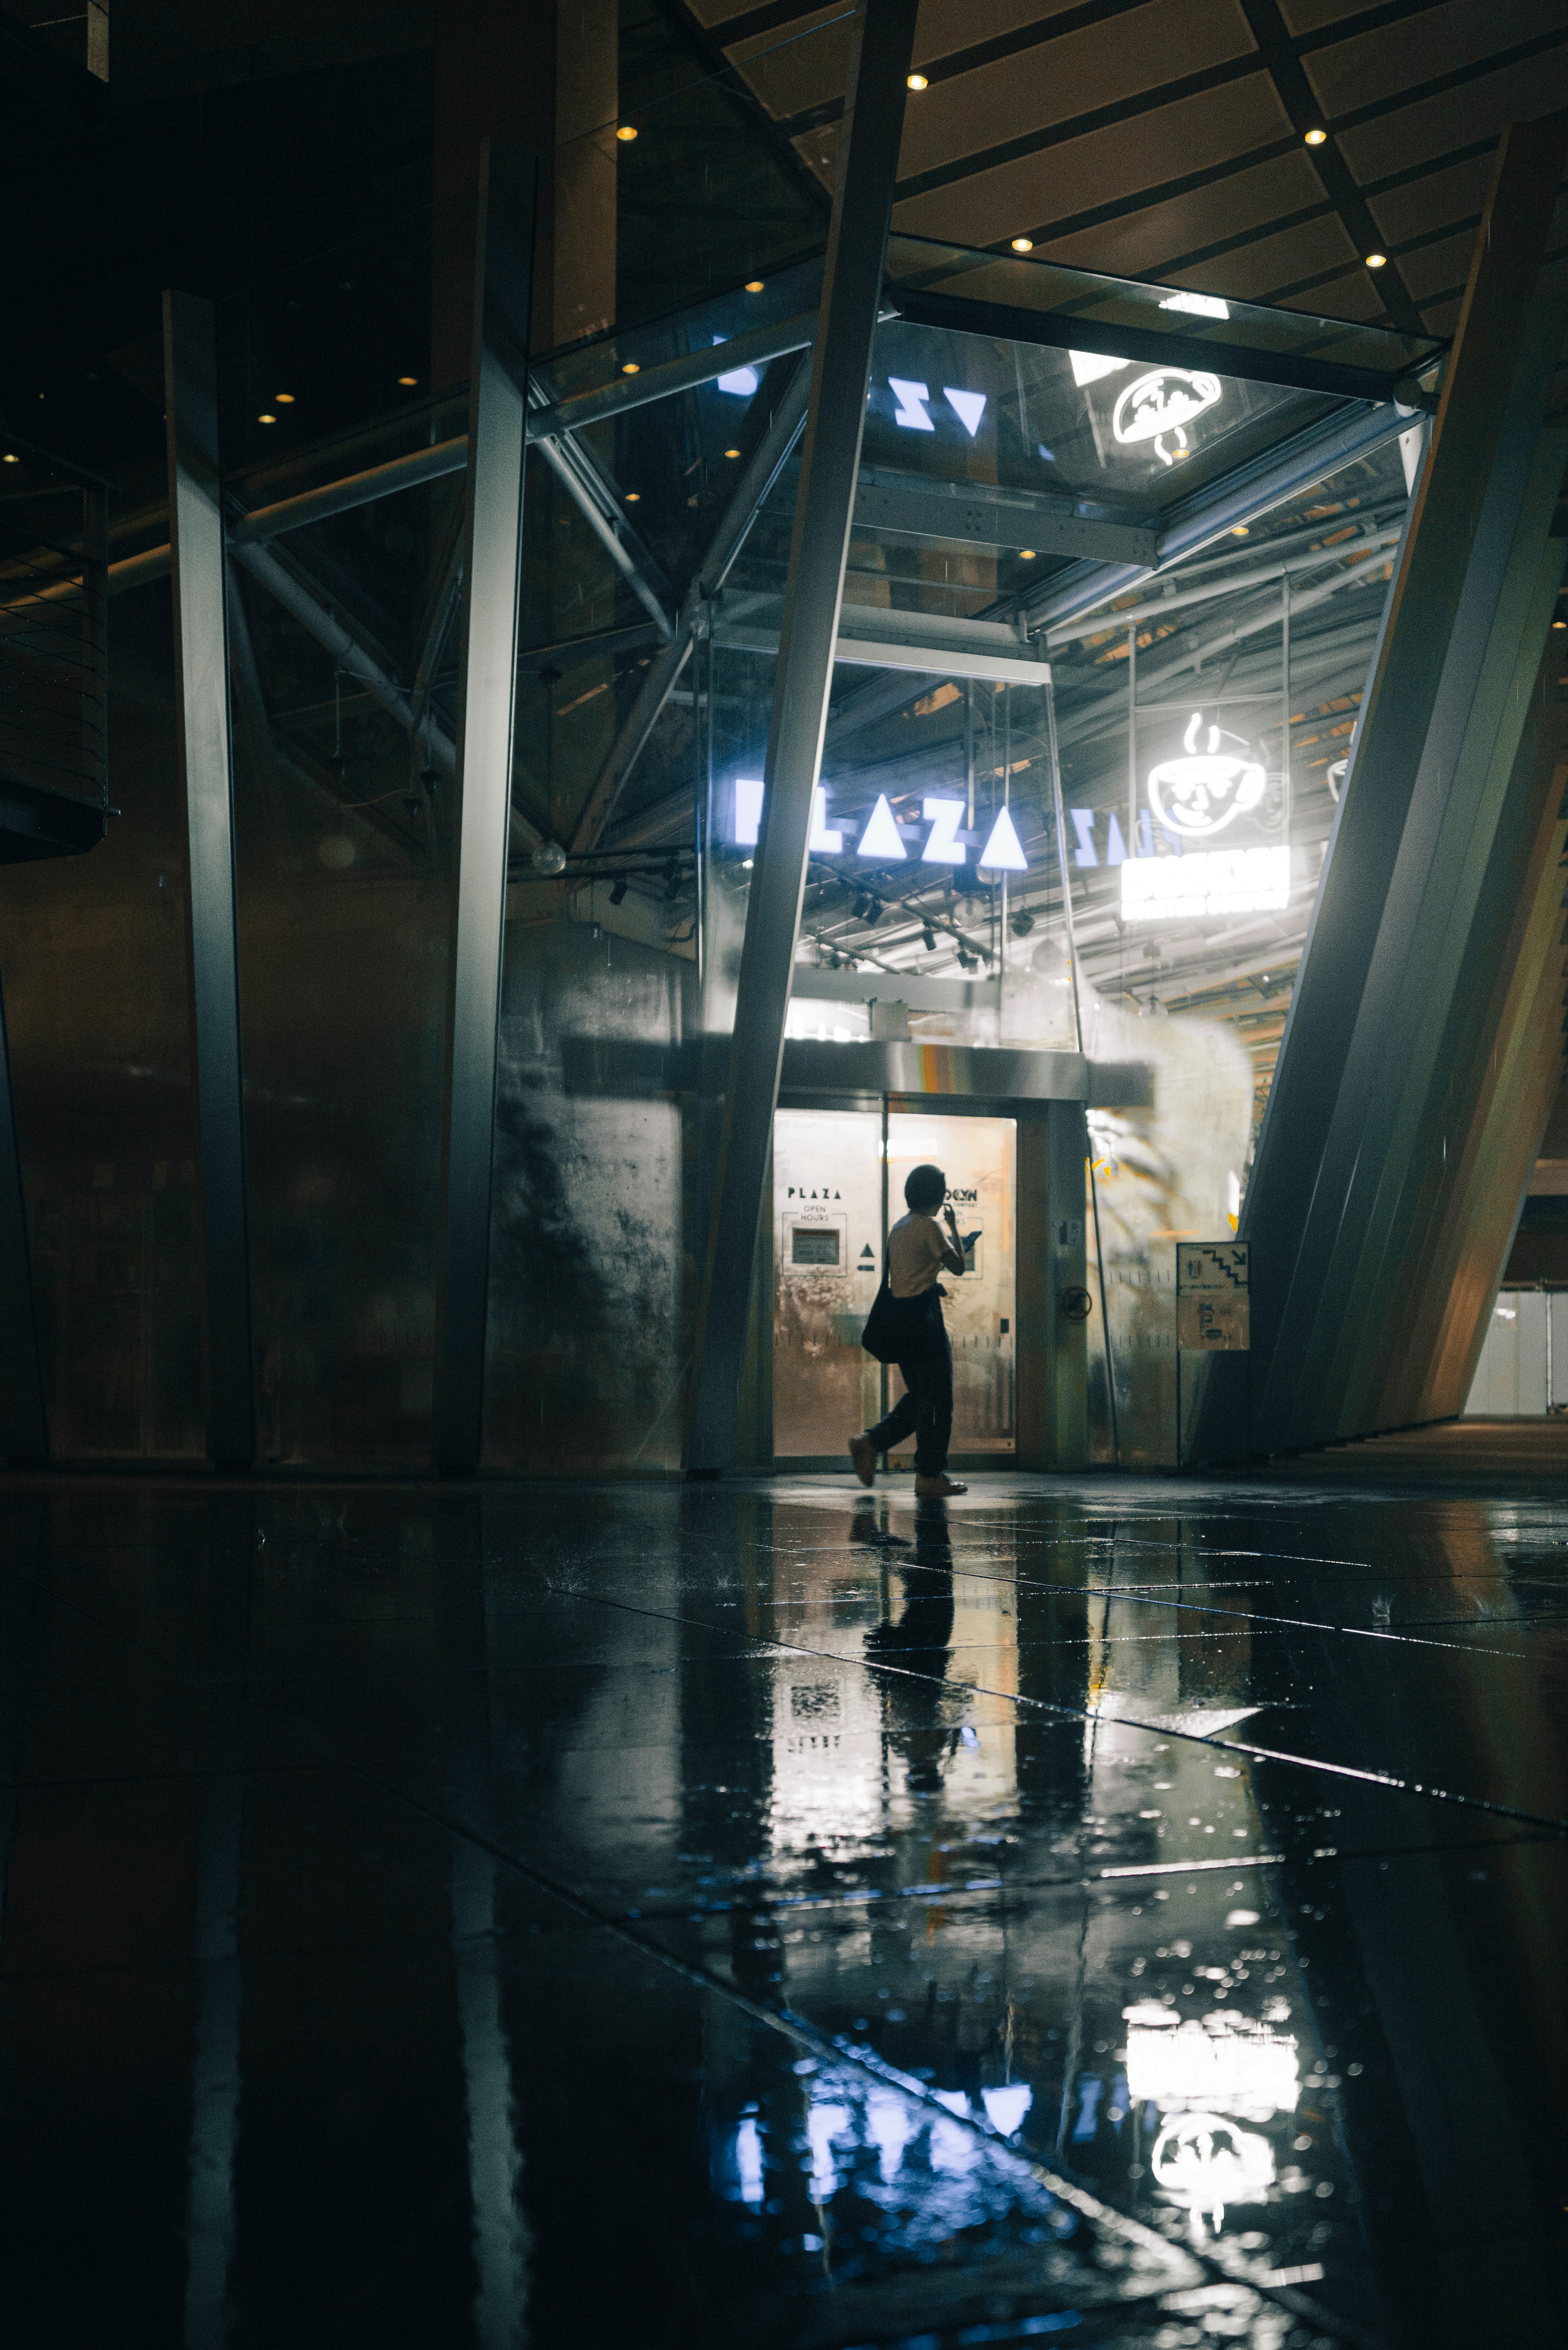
(925, 1189)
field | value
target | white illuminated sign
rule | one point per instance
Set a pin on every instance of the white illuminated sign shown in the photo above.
(942, 847)
(1201, 305)
(1160, 406)
(881, 838)
(1206, 882)
(913, 405)
(881, 841)
(1197, 795)
(1088, 366)
(739, 382)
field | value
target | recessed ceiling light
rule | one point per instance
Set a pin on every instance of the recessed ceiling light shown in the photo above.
(1316, 137)
(407, 379)
(918, 81)
(11, 457)
(266, 417)
(1378, 261)
(1239, 530)
(1556, 624)
(1026, 554)
(632, 496)
(753, 285)
(631, 367)
(283, 399)
(626, 132)
(732, 452)
(1024, 245)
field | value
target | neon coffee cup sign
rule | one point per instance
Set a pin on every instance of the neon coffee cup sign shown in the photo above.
(1199, 794)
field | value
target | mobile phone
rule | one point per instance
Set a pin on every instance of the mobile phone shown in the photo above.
(969, 1240)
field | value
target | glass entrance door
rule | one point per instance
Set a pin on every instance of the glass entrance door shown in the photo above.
(831, 1207)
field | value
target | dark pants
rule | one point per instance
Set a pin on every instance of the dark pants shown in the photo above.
(926, 1362)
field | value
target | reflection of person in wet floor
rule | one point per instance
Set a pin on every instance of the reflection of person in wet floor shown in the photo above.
(917, 1645)
(919, 1248)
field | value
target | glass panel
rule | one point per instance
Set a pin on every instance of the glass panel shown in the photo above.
(917, 265)
(827, 1263)
(979, 1157)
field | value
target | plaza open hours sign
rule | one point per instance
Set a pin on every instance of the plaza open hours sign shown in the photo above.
(1212, 1312)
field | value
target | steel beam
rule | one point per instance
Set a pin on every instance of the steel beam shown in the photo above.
(206, 774)
(761, 469)
(492, 552)
(24, 1428)
(1354, 1126)
(869, 134)
(361, 489)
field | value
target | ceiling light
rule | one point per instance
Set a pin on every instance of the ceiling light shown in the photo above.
(1026, 554)
(11, 457)
(753, 285)
(1556, 624)
(930, 937)
(1237, 530)
(1316, 137)
(632, 496)
(266, 418)
(732, 452)
(283, 399)
(408, 379)
(626, 132)
(630, 368)
(1024, 245)
(1378, 261)
(917, 81)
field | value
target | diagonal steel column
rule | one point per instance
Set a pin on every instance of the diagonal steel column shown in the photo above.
(206, 774)
(492, 552)
(1362, 1102)
(824, 507)
(24, 1429)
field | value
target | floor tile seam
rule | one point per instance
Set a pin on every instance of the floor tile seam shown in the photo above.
(1141, 1598)
(771, 1904)
(1391, 1780)
(1233, 2268)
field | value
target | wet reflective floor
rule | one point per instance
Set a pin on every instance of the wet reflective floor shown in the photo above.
(1110, 1912)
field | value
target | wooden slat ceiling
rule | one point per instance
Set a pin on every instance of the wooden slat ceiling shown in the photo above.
(1165, 138)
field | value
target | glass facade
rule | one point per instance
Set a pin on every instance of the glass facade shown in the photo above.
(1193, 718)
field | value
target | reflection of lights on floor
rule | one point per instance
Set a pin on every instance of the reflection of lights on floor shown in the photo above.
(1226, 2063)
(1206, 2162)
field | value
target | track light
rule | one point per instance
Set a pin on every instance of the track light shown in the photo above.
(1022, 924)
(930, 937)
(617, 892)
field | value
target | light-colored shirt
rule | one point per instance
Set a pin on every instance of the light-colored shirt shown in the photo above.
(916, 1254)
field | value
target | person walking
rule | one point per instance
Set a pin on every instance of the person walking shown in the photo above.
(920, 1247)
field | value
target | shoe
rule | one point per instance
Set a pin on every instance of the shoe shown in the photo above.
(863, 1459)
(933, 1489)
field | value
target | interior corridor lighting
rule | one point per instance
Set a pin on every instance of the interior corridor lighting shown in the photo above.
(1024, 245)
(753, 285)
(1026, 554)
(630, 368)
(632, 497)
(918, 81)
(266, 417)
(732, 452)
(1316, 137)
(283, 399)
(626, 132)
(408, 382)
(1378, 261)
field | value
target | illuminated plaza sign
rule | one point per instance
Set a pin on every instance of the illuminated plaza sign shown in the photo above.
(883, 839)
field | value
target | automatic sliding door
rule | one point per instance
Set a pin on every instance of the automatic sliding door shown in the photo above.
(827, 1263)
(979, 1157)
